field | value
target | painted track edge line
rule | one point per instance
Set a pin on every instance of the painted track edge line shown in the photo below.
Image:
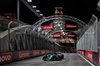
(86, 60)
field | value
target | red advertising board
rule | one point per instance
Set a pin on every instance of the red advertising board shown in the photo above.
(56, 35)
(36, 52)
(71, 26)
(79, 51)
(99, 58)
(89, 55)
(82, 52)
(47, 27)
(71, 35)
(47, 51)
(75, 41)
(5, 57)
(51, 51)
(43, 52)
(65, 51)
(23, 54)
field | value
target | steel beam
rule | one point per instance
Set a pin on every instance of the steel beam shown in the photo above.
(33, 10)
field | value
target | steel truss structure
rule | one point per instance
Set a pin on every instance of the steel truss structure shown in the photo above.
(80, 23)
(29, 6)
(65, 17)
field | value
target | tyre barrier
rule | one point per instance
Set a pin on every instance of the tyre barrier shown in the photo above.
(94, 57)
(8, 57)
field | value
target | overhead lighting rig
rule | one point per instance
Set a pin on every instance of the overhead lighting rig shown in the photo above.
(29, 0)
(33, 8)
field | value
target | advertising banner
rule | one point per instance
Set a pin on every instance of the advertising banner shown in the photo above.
(47, 27)
(43, 52)
(82, 52)
(71, 26)
(79, 51)
(71, 35)
(23, 54)
(75, 41)
(5, 57)
(89, 55)
(56, 35)
(65, 51)
(51, 51)
(47, 51)
(99, 58)
(36, 52)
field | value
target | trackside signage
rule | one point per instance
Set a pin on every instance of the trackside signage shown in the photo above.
(47, 51)
(89, 55)
(56, 35)
(47, 27)
(79, 51)
(50, 51)
(65, 51)
(71, 26)
(5, 57)
(75, 41)
(71, 35)
(83, 52)
(99, 58)
(43, 52)
(36, 52)
(23, 54)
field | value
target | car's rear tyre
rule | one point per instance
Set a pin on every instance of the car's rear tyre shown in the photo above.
(63, 57)
(44, 59)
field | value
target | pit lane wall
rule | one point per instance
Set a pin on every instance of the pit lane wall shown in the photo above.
(8, 57)
(89, 44)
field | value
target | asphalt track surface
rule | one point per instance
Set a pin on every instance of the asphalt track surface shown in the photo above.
(70, 59)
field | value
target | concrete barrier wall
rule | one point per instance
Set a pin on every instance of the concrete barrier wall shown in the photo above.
(8, 57)
(90, 55)
(89, 44)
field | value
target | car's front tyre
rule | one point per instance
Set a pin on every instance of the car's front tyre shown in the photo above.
(44, 59)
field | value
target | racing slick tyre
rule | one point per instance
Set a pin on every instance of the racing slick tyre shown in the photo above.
(62, 57)
(45, 59)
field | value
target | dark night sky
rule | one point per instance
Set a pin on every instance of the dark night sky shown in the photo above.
(82, 9)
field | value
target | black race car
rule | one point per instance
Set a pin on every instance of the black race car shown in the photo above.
(56, 56)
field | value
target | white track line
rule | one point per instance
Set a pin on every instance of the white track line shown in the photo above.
(87, 60)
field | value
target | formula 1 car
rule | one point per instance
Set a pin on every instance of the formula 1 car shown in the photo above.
(53, 57)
